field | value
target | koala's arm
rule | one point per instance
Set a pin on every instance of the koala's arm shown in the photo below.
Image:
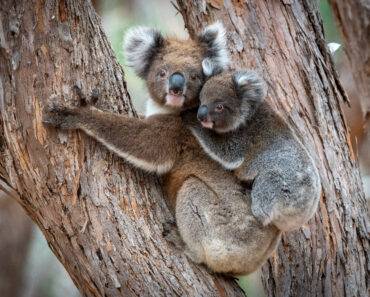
(227, 149)
(149, 144)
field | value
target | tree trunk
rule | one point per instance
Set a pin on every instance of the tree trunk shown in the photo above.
(353, 18)
(15, 234)
(102, 218)
(284, 40)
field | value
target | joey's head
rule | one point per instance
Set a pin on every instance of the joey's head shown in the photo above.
(229, 99)
(174, 69)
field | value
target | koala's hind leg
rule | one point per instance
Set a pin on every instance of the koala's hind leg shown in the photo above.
(191, 217)
(287, 201)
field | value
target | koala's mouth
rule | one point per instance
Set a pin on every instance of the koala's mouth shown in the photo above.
(175, 100)
(207, 124)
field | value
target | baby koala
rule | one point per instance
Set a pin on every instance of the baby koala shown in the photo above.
(243, 133)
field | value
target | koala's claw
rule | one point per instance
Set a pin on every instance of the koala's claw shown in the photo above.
(171, 234)
(168, 227)
(85, 101)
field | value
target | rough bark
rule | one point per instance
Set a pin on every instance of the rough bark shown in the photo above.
(353, 18)
(284, 40)
(102, 218)
(15, 234)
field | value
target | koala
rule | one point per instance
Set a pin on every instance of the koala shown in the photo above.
(243, 133)
(212, 210)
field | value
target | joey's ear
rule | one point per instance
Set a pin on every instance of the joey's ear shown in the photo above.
(213, 38)
(140, 45)
(249, 85)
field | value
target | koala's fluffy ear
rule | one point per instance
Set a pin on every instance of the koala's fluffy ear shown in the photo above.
(213, 37)
(140, 46)
(249, 86)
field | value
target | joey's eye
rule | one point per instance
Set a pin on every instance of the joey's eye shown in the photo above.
(193, 76)
(219, 108)
(162, 73)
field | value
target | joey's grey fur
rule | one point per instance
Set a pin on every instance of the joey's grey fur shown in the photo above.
(213, 212)
(245, 134)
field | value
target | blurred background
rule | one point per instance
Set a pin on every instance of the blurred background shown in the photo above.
(27, 266)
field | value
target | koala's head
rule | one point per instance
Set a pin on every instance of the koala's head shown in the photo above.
(175, 70)
(230, 99)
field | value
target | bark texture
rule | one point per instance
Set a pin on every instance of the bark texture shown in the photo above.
(353, 18)
(102, 218)
(284, 41)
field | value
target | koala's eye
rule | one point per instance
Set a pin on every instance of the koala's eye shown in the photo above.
(162, 73)
(193, 76)
(219, 108)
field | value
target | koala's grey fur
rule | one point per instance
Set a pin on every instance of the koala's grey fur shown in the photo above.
(263, 152)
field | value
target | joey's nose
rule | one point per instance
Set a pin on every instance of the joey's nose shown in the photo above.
(176, 83)
(202, 113)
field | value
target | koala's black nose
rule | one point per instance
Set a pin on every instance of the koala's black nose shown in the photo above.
(202, 113)
(176, 83)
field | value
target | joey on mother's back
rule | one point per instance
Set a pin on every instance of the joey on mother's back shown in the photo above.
(243, 133)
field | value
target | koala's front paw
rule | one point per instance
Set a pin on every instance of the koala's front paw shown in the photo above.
(58, 115)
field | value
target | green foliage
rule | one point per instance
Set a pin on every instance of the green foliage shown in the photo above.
(252, 285)
(330, 28)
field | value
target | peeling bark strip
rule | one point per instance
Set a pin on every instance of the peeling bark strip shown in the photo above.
(353, 18)
(284, 40)
(102, 219)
